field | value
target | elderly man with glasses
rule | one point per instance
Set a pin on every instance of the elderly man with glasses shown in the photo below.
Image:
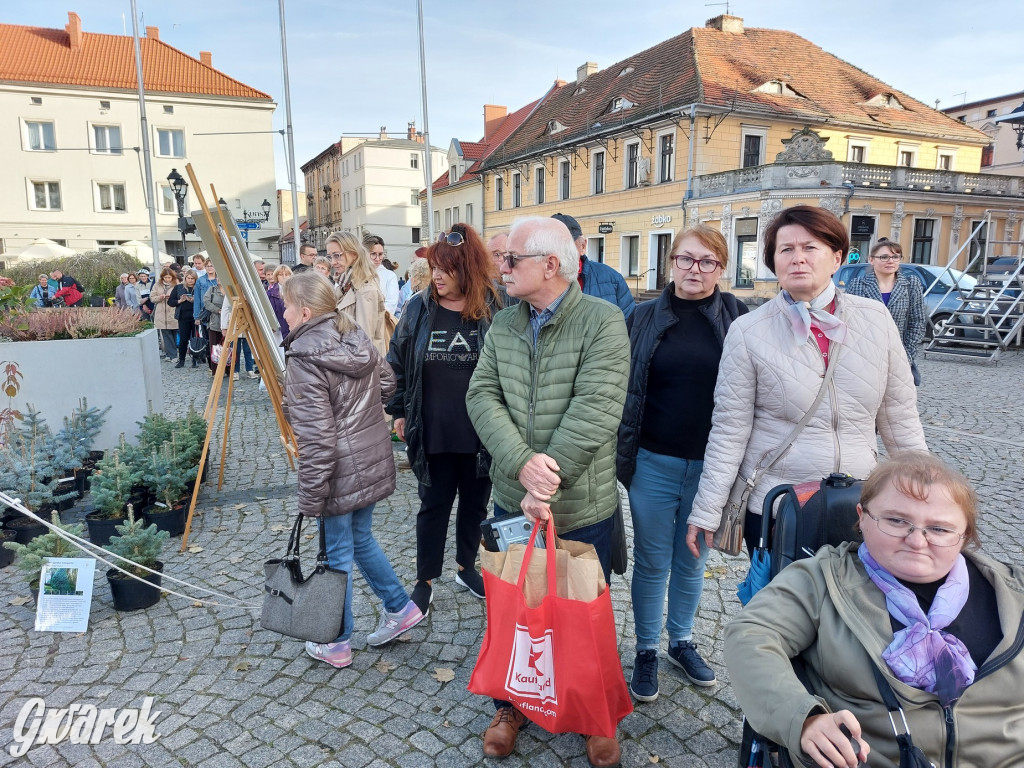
(546, 399)
(595, 278)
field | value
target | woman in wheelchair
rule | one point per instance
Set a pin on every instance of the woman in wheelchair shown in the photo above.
(915, 602)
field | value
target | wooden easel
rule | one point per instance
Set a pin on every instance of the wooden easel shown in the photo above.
(242, 322)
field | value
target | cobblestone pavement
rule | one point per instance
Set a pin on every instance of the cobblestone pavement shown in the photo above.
(231, 694)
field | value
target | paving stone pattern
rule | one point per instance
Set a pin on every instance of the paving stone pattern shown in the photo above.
(232, 695)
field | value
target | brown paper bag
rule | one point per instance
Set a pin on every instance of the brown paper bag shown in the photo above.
(578, 571)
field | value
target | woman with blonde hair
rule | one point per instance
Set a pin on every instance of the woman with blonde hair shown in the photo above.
(358, 289)
(336, 383)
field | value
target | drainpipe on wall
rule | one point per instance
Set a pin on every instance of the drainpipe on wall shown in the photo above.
(689, 167)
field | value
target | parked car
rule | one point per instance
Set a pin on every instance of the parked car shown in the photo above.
(940, 302)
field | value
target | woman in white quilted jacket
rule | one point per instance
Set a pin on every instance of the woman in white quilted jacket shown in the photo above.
(773, 365)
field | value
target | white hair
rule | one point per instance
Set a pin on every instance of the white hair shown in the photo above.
(549, 236)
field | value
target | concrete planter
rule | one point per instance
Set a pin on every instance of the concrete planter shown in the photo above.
(122, 372)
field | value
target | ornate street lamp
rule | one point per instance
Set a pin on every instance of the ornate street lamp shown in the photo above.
(1016, 121)
(263, 215)
(180, 189)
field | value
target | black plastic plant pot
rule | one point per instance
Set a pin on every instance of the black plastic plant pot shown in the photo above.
(171, 520)
(101, 528)
(6, 556)
(81, 480)
(132, 595)
(96, 455)
(66, 486)
(25, 528)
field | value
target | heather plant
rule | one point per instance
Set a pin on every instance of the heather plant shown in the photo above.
(70, 323)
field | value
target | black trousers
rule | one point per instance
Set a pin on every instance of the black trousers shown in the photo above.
(185, 326)
(450, 473)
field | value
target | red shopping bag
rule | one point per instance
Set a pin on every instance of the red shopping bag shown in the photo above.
(558, 663)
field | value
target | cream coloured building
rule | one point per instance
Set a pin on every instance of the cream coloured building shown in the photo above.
(1001, 155)
(71, 141)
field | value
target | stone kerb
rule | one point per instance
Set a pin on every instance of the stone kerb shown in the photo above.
(121, 372)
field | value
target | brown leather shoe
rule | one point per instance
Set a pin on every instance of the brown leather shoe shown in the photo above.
(500, 736)
(602, 751)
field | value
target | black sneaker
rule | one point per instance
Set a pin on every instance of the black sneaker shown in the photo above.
(685, 656)
(471, 580)
(423, 596)
(644, 685)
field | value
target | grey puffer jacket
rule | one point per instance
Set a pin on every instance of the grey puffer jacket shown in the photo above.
(766, 383)
(334, 394)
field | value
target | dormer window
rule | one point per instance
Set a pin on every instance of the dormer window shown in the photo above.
(625, 71)
(554, 127)
(620, 103)
(579, 91)
(886, 100)
(777, 88)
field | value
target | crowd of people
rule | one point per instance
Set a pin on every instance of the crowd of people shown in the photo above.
(521, 372)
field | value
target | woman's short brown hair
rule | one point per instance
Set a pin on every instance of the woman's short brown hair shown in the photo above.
(823, 224)
(168, 271)
(885, 242)
(914, 473)
(709, 237)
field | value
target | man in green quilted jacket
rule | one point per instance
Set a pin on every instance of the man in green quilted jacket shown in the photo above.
(546, 400)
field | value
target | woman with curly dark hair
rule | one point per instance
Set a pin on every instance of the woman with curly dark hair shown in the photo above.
(433, 353)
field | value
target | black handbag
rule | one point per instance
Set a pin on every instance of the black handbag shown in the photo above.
(911, 756)
(306, 607)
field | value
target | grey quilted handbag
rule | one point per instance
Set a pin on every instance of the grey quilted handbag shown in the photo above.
(306, 607)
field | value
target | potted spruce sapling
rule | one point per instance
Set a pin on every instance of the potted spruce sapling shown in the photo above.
(111, 487)
(32, 555)
(168, 479)
(79, 433)
(31, 466)
(141, 544)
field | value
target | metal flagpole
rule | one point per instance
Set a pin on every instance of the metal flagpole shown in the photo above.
(150, 189)
(289, 140)
(426, 129)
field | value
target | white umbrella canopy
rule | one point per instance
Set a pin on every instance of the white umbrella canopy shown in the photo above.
(143, 252)
(41, 249)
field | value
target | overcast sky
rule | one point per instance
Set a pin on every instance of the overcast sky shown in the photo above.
(354, 66)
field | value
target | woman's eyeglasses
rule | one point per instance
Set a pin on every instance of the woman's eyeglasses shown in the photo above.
(707, 266)
(938, 535)
(890, 257)
(454, 239)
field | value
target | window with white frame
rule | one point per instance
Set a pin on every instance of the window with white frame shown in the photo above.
(437, 221)
(447, 219)
(469, 213)
(499, 193)
(453, 174)
(856, 150)
(170, 142)
(633, 165)
(666, 157)
(40, 136)
(359, 197)
(414, 197)
(517, 190)
(631, 251)
(945, 159)
(906, 154)
(539, 176)
(45, 195)
(109, 197)
(753, 140)
(106, 139)
(414, 160)
(597, 164)
(167, 204)
(563, 180)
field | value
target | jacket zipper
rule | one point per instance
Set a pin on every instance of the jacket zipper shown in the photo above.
(950, 735)
(534, 364)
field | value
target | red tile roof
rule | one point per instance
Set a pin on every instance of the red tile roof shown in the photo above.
(707, 66)
(45, 56)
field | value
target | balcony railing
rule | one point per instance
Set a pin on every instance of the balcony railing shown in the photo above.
(861, 175)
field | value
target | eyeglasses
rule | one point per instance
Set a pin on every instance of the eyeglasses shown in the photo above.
(511, 259)
(454, 239)
(891, 257)
(686, 263)
(901, 529)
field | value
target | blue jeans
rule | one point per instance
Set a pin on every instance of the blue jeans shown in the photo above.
(351, 537)
(243, 350)
(660, 497)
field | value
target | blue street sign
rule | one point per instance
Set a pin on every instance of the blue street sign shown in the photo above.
(245, 234)
(248, 224)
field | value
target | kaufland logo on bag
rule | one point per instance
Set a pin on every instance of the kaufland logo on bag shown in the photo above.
(531, 670)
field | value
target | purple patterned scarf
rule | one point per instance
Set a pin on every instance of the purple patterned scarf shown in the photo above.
(921, 654)
(802, 313)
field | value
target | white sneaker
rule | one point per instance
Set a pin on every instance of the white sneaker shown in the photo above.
(252, 374)
(235, 376)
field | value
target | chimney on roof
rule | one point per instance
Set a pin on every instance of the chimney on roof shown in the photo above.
(153, 33)
(383, 133)
(585, 70)
(206, 57)
(74, 30)
(726, 23)
(493, 116)
(410, 130)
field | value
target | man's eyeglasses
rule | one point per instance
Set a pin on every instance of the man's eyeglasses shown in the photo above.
(454, 239)
(890, 257)
(686, 263)
(938, 535)
(511, 259)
